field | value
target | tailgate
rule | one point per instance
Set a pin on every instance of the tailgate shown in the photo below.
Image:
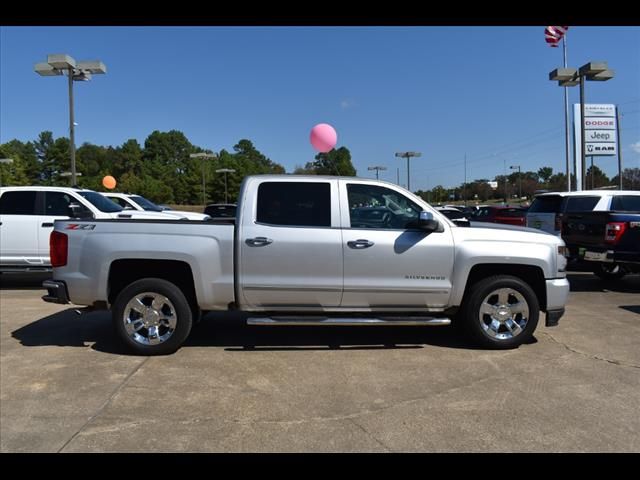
(584, 229)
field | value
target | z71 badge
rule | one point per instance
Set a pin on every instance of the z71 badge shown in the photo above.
(80, 226)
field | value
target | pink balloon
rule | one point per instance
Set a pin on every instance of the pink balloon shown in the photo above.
(323, 137)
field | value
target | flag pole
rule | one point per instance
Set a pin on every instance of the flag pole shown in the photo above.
(566, 116)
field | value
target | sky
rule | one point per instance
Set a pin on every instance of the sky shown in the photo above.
(446, 92)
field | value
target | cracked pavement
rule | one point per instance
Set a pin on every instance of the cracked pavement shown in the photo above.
(67, 386)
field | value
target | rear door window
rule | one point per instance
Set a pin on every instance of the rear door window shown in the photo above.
(57, 204)
(18, 203)
(299, 204)
(580, 204)
(626, 203)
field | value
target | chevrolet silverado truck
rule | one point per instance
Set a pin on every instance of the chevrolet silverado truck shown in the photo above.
(299, 252)
(608, 241)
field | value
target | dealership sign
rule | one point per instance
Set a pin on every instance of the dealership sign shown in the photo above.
(600, 129)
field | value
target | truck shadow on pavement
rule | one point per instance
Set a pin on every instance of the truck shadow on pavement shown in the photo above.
(24, 281)
(229, 330)
(588, 282)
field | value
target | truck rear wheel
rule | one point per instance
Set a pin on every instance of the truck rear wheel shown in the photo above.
(500, 312)
(609, 271)
(152, 317)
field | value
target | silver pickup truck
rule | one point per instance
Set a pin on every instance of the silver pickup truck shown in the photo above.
(311, 250)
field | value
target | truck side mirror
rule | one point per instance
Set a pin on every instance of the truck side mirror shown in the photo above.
(79, 211)
(426, 222)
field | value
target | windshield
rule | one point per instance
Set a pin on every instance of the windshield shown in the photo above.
(101, 202)
(146, 204)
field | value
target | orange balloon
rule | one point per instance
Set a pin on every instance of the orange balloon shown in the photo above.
(109, 182)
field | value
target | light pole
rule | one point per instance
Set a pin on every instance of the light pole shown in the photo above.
(377, 169)
(203, 156)
(7, 161)
(513, 167)
(59, 64)
(408, 156)
(570, 77)
(225, 171)
(70, 174)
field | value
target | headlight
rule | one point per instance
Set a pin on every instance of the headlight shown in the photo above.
(561, 258)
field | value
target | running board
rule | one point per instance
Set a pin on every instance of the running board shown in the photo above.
(349, 322)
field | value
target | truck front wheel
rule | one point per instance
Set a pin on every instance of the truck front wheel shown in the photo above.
(500, 312)
(152, 317)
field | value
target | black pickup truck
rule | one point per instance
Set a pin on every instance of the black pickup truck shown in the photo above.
(609, 241)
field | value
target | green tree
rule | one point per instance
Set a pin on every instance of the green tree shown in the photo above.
(166, 157)
(596, 178)
(544, 174)
(335, 162)
(630, 179)
(12, 173)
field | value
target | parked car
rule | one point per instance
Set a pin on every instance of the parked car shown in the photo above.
(27, 215)
(297, 255)
(138, 202)
(547, 209)
(500, 214)
(455, 215)
(221, 211)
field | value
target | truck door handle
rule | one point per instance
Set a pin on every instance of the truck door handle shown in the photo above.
(47, 224)
(258, 241)
(360, 244)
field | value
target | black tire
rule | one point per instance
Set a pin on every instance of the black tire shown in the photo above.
(183, 316)
(470, 319)
(609, 271)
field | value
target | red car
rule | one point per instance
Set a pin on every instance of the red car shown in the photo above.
(500, 214)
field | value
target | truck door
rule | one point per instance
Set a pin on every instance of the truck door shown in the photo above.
(387, 265)
(290, 250)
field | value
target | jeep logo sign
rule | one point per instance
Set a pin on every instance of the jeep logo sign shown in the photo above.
(600, 136)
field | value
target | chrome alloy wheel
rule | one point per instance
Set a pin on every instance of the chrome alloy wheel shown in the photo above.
(504, 314)
(150, 318)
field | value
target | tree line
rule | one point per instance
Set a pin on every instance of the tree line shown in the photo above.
(162, 170)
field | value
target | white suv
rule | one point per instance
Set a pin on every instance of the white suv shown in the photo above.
(27, 215)
(141, 204)
(546, 210)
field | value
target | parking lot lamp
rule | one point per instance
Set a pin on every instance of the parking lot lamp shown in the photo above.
(377, 169)
(570, 77)
(225, 171)
(408, 156)
(60, 64)
(203, 156)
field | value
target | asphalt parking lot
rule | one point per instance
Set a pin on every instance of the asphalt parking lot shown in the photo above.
(66, 385)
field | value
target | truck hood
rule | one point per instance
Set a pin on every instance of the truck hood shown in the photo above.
(187, 215)
(483, 231)
(143, 215)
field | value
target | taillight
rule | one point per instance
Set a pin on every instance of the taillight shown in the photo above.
(614, 231)
(58, 247)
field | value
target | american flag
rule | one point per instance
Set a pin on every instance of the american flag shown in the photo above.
(553, 35)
